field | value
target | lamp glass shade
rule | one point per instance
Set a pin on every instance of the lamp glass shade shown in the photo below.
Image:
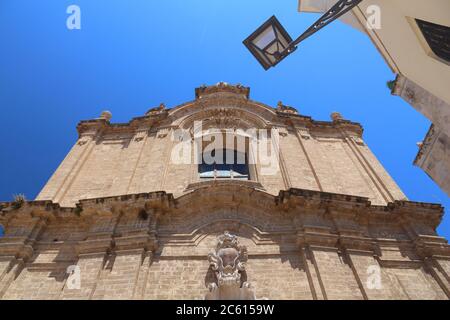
(268, 43)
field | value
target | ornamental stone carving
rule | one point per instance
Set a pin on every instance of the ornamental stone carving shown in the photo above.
(336, 116)
(286, 109)
(222, 87)
(228, 263)
(156, 110)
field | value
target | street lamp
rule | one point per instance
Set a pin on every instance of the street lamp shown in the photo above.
(271, 43)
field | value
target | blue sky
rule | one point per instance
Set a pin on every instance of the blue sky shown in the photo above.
(131, 55)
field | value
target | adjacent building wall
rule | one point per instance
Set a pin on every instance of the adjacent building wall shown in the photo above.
(423, 78)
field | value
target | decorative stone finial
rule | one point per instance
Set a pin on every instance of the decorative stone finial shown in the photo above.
(336, 116)
(106, 115)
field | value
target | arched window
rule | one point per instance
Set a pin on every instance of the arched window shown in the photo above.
(224, 164)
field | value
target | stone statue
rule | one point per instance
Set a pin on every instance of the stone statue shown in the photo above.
(228, 263)
(156, 110)
(336, 116)
(106, 115)
(286, 109)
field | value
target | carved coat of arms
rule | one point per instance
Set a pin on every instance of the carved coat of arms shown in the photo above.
(228, 263)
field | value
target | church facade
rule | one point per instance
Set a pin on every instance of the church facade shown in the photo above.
(222, 198)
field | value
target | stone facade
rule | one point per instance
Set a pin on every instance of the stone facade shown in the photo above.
(422, 77)
(117, 159)
(129, 223)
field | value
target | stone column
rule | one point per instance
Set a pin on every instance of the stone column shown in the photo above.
(92, 257)
(333, 271)
(10, 268)
(118, 281)
(315, 282)
(142, 278)
(17, 245)
(61, 181)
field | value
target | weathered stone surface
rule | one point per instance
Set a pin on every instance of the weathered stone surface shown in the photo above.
(434, 157)
(330, 224)
(116, 159)
(319, 245)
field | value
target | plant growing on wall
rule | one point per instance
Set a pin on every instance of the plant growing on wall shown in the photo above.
(18, 201)
(78, 210)
(391, 84)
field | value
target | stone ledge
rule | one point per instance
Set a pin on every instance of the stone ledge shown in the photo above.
(219, 182)
(166, 201)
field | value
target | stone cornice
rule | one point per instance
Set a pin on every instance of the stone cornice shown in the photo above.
(104, 126)
(214, 183)
(303, 195)
(296, 120)
(319, 218)
(426, 145)
(286, 200)
(221, 95)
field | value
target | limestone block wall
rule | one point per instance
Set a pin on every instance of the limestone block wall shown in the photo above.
(337, 163)
(133, 224)
(301, 245)
(112, 160)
